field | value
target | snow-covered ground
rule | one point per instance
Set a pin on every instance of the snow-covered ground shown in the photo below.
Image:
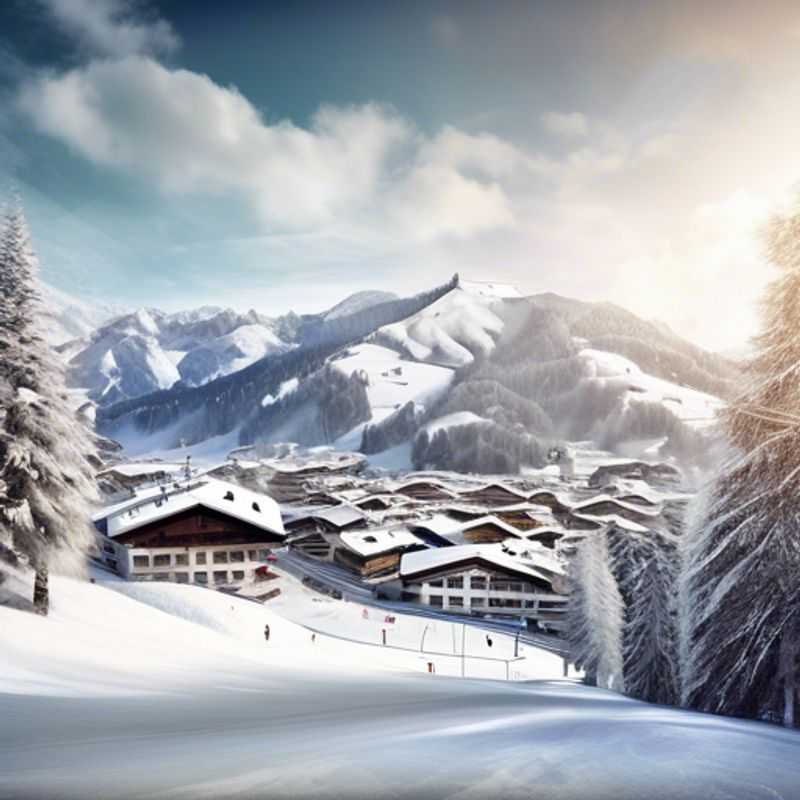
(696, 408)
(393, 380)
(455, 328)
(144, 691)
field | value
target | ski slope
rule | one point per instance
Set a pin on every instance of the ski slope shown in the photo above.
(142, 691)
(696, 408)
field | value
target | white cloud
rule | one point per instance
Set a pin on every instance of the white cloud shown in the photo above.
(573, 124)
(113, 27)
(360, 168)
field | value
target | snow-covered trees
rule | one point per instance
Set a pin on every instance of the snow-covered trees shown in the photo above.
(741, 586)
(46, 475)
(594, 615)
(646, 568)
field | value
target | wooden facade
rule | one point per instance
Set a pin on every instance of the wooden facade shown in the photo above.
(197, 527)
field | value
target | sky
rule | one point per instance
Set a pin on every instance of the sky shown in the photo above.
(281, 155)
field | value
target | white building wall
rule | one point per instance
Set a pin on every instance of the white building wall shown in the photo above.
(478, 600)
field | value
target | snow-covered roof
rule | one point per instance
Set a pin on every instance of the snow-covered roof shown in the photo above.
(227, 498)
(373, 542)
(535, 555)
(338, 516)
(136, 469)
(614, 519)
(445, 526)
(494, 485)
(607, 498)
(441, 558)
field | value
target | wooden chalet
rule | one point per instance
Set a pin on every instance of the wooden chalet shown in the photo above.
(493, 494)
(207, 531)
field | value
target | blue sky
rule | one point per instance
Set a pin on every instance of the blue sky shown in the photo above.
(282, 155)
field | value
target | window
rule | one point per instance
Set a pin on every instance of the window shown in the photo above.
(477, 582)
(161, 561)
(252, 555)
(182, 559)
(221, 557)
(238, 574)
(141, 561)
(109, 548)
(200, 558)
(436, 600)
(182, 577)
(237, 557)
(455, 583)
(515, 587)
(435, 583)
(262, 554)
(529, 603)
(201, 577)
(477, 601)
(256, 507)
(164, 576)
(220, 576)
(455, 602)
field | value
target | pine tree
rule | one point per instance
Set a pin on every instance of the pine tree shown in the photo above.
(741, 583)
(594, 615)
(46, 455)
(646, 568)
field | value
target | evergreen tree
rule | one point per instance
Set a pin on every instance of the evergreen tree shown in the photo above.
(650, 635)
(741, 582)
(594, 615)
(46, 455)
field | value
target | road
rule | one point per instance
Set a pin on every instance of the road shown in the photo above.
(353, 589)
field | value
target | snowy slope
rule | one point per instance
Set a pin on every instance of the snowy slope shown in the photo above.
(455, 329)
(148, 350)
(694, 407)
(358, 302)
(393, 380)
(159, 696)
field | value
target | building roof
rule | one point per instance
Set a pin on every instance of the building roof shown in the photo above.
(447, 527)
(374, 542)
(443, 558)
(621, 504)
(226, 498)
(141, 469)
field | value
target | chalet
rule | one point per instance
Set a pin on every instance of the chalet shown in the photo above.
(493, 494)
(375, 552)
(524, 516)
(482, 579)
(544, 497)
(547, 535)
(206, 531)
(442, 531)
(606, 505)
(635, 470)
(333, 519)
(424, 490)
(375, 502)
(130, 476)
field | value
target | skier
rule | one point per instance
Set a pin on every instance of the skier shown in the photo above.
(266, 632)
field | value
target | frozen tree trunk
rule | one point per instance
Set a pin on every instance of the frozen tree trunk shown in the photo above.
(41, 592)
(788, 660)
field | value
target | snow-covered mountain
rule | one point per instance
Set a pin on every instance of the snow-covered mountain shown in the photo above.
(149, 350)
(469, 376)
(128, 355)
